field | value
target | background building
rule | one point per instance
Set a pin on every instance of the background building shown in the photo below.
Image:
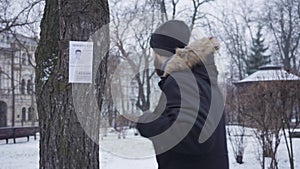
(17, 99)
(269, 96)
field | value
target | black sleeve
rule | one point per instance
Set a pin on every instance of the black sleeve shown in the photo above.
(179, 99)
(153, 123)
(183, 111)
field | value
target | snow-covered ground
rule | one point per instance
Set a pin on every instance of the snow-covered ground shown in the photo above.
(134, 152)
(23, 155)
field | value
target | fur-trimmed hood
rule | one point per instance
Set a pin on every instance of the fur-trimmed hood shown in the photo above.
(198, 56)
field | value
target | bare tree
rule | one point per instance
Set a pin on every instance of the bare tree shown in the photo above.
(282, 20)
(232, 28)
(132, 41)
(196, 14)
(268, 108)
(233, 34)
(174, 8)
(236, 130)
(192, 13)
(16, 20)
(27, 15)
(261, 111)
(289, 100)
(108, 112)
(163, 11)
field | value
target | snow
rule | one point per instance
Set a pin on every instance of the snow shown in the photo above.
(268, 74)
(23, 155)
(133, 152)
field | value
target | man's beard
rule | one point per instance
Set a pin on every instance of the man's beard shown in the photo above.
(158, 66)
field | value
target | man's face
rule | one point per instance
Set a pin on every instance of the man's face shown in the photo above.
(77, 54)
(158, 64)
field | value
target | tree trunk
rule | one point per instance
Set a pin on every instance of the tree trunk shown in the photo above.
(64, 140)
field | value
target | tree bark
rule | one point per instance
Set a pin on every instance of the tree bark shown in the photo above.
(64, 141)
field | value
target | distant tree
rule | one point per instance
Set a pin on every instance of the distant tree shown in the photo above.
(262, 113)
(282, 21)
(257, 57)
(234, 115)
(234, 28)
(133, 46)
(192, 14)
(22, 17)
(141, 19)
(109, 106)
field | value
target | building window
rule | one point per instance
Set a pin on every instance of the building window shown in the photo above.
(23, 114)
(30, 113)
(22, 87)
(3, 114)
(23, 59)
(29, 87)
(0, 79)
(16, 59)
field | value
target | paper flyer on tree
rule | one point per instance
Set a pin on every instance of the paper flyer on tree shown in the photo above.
(80, 62)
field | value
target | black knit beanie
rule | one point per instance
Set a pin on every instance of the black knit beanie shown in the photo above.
(169, 36)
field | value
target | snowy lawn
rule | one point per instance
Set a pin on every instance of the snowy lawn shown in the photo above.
(134, 152)
(23, 155)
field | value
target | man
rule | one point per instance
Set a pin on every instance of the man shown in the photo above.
(76, 57)
(77, 54)
(177, 125)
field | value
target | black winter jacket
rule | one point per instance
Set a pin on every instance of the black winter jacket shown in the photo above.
(175, 126)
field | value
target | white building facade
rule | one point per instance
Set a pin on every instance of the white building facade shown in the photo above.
(17, 74)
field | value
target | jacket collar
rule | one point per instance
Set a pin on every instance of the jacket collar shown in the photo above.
(205, 66)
